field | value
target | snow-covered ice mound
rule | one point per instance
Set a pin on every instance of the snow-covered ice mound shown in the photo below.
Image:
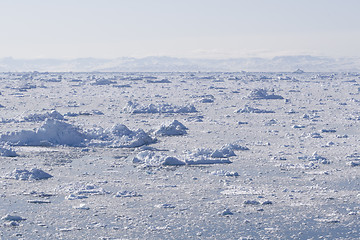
(7, 152)
(248, 109)
(133, 107)
(119, 136)
(208, 156)
(33, 174)
(52, 132)
(173, 129)
(152, 159)
(39, 117)
(260, 93)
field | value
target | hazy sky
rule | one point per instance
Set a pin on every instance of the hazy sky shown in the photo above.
(179, 28)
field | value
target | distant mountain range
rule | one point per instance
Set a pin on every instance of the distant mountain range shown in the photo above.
(171, 64)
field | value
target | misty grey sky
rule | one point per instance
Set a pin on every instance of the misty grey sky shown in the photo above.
(186, 28)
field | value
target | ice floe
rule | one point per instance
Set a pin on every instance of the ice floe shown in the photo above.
(248, 109)
(133, 107)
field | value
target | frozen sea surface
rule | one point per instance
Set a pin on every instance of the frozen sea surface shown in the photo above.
(179, 155)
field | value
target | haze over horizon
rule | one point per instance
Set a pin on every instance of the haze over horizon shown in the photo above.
(187, 29)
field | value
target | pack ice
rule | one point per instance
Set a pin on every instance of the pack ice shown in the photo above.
(179, 155)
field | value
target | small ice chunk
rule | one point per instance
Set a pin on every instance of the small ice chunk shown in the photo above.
(173, 129)
(7, 152)
(260, 93)
(207, 156)
(13, 218)
(251, 202)
(150, 158)
(135, 108)
(33, 174)
(248, 109)
(74, 196)
(225, 173)
(315, 135)
(165, 205)
(267, 202)
(82, 206)
(52, 132)
(43, 116)
(127, 194)
(226, 212)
